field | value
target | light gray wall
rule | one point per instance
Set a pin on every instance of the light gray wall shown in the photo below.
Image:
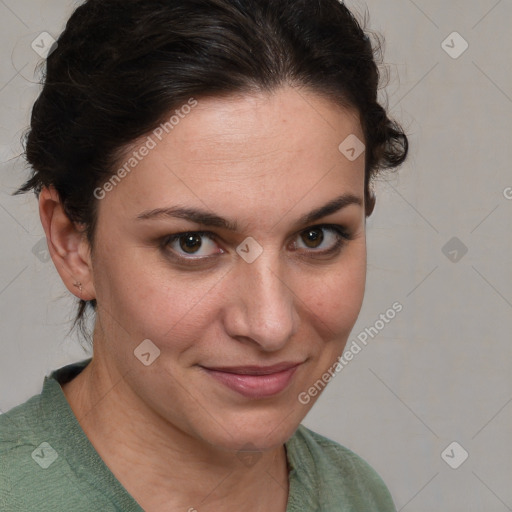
(440, 371)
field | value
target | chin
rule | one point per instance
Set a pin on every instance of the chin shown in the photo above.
(261, 431)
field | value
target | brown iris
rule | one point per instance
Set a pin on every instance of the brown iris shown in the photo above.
(190, 243)
(313, 238)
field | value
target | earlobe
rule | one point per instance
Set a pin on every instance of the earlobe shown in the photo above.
(66, 244)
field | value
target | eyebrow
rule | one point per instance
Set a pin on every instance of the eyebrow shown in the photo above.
(206, 218)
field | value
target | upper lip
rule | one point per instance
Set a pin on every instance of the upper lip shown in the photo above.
(254, 369)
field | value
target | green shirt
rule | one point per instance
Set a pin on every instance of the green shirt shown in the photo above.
(47, 463)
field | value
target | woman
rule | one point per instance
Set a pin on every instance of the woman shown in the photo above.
(203, 169)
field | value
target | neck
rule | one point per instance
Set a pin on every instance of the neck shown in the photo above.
(162, 467)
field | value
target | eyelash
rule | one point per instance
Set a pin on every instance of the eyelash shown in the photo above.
(342, 234)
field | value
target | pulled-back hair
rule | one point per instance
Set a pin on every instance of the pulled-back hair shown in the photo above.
(121, 66)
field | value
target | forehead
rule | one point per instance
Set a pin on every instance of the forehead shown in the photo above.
(264, 149)
(288, 124)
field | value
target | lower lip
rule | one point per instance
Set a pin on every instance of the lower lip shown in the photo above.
(255, 386)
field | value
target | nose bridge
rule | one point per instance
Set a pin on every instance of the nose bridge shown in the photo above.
(268, 314)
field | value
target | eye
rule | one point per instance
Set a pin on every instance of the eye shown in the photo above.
(324, 239)
(192, 245)
(195, 247)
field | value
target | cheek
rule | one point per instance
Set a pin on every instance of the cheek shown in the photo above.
(335, 298)
(144, 300)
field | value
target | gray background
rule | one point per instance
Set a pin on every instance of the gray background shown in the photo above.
(440, 371)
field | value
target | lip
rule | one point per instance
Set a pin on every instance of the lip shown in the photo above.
(255, 381)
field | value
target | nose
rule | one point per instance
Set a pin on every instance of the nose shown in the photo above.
(262, 305)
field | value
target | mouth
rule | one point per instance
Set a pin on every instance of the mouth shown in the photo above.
(255, 381)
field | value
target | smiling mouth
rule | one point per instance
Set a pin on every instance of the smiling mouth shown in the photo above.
(254, 370)
(255, 381)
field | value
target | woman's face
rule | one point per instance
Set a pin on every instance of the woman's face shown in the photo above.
(230, 298)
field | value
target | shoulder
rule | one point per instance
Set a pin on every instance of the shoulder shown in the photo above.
(339, 472)
(35, 473)
(47, 462)
(19, 427)
(20, 430)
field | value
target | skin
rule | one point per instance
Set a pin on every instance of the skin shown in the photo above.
(264, 161)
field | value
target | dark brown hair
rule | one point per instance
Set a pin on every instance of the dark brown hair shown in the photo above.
(121, 66)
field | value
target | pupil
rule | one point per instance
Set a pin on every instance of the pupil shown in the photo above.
(190, 243)
(315, 236)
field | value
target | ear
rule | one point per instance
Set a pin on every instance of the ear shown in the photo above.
(370, 204)
(67, 244)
